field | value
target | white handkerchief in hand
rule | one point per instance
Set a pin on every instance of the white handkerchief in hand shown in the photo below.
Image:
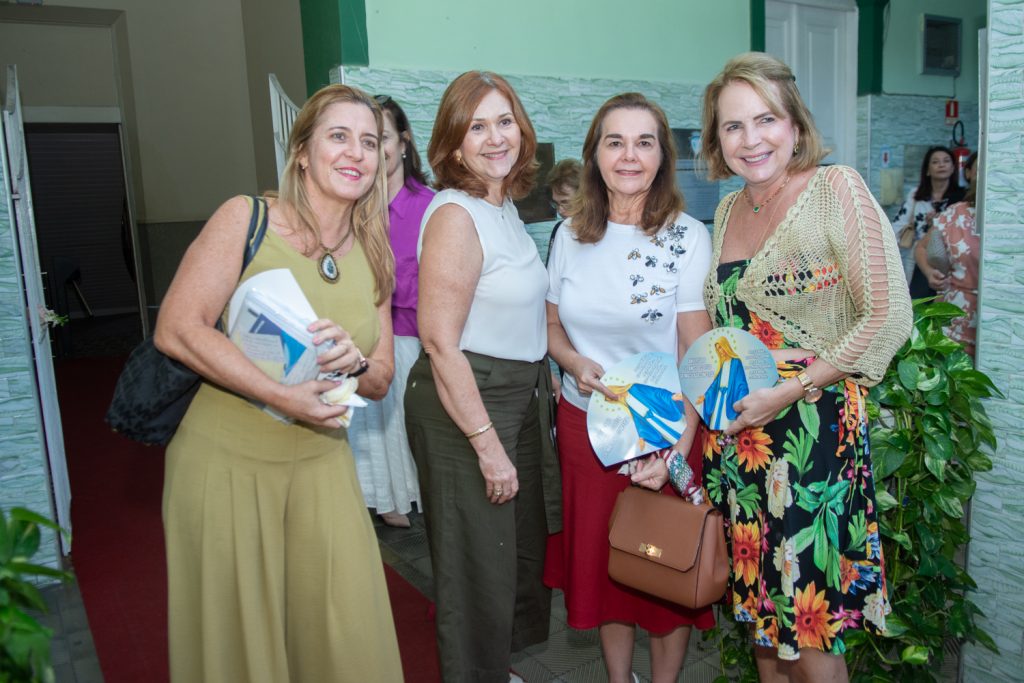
(344, 395)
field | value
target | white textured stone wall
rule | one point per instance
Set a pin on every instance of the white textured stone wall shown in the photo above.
(24, 475)
(900, 120)
(559, 108)
(997, 547)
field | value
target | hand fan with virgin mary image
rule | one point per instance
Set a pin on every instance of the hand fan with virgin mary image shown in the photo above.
(647, 413)
(720, 368)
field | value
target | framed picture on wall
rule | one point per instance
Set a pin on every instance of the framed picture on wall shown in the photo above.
(536, 206)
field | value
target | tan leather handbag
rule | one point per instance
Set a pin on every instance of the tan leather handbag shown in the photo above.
(908, 235)
(668, 547)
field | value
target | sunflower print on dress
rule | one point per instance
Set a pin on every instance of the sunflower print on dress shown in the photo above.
(798, 496)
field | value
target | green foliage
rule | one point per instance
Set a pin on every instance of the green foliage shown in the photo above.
(24, 642)
(930, 436)
(735, 653)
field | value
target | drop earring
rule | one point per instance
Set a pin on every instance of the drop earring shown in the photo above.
(796, 148)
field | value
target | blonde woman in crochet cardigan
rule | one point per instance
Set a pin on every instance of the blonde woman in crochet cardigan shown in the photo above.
(804, 259)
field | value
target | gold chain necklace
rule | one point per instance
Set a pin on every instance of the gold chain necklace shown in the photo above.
(757, 207)
(327, 266)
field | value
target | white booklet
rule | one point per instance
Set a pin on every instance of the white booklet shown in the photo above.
(267, 318)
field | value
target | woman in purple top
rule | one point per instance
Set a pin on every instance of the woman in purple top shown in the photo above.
(387, 473)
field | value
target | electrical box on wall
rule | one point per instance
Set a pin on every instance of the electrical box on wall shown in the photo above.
(941, 45)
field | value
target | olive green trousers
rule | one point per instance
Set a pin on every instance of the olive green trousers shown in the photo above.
(488, 560)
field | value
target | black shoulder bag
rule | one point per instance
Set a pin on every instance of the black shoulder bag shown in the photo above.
(154, 391)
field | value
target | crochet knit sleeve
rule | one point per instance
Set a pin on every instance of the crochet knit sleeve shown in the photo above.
(874, 278)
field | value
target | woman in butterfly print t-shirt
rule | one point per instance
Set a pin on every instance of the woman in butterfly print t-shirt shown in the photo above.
(625, 276)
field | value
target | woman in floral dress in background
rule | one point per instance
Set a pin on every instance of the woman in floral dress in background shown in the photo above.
(804, 259)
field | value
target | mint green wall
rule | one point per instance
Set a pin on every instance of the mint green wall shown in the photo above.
(657, 40)
(901, 66)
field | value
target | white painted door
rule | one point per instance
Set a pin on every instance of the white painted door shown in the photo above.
(818, 39)
(12, 153)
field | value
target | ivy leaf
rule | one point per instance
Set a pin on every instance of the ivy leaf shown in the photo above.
(895, 626)
(979, 462)
(917, 342)
(908, 372)
(935, 466)
(855, 637)
(900, 538)
(985, 639)
(938, 446)
(929, 379)
(884, 500)
(979, 382)
(888, 453)
(949, 504)
(939, 309)
(914, 654)
(927, 566)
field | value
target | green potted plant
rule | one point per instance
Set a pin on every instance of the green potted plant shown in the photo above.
(24, 642)
(930, 436)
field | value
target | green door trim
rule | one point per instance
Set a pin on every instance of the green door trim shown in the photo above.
(333, 33)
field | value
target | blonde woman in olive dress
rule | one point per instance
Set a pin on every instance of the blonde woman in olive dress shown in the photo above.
(274, 573)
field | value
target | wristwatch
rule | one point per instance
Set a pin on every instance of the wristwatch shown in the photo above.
(811, 392)
(364, 365)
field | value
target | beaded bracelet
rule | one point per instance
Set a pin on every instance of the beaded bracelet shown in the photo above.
(478, 432)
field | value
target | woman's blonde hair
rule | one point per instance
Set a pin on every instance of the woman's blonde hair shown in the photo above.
(369, 215)
(774, 83)
(590, 204)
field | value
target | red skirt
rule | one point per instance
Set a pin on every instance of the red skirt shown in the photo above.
(577, 558)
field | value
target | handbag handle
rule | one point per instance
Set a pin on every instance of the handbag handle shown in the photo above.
(257, 230)
(253, 240)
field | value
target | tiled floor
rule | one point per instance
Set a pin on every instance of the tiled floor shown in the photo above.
(568, 656)
(72, 651)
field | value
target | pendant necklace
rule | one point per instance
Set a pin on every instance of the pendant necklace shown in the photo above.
(327, 266)
(757, 207)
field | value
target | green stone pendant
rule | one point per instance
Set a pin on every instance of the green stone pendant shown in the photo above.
(756, 209)
(328, 268)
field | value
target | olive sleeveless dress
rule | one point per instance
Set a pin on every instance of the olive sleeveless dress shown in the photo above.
(274, 573)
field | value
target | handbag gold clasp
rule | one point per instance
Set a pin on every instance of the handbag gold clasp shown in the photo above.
(650, 550)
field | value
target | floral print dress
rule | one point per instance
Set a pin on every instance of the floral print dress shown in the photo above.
(797, 496)
(957, 227)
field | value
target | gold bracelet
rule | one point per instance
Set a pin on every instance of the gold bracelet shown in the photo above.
(478, 432)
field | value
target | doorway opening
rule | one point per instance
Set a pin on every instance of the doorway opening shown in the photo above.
(83, 230)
